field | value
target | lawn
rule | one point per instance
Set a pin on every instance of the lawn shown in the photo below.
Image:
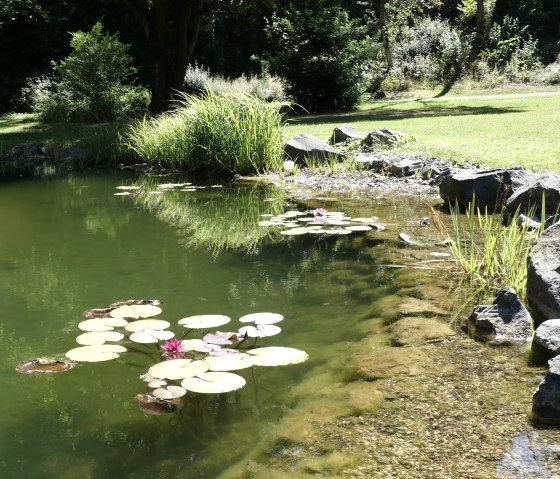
(501, 132)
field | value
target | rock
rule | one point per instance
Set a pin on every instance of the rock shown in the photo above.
(543, 273)
(404, 237)
(547, 337)
(546, 400)
(412, 331)
(391, 363)
(304, 146)
(407, 167)
(530, 224)
(346, 132)
(382, 137)
(371, 163)
(490, 187)
(505, 321)
(528, 197)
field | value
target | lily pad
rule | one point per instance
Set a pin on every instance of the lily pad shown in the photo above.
(136, 311)
(193, 344)
(213, 383)
(147, 336)
(154, 324)
(102, 324)
(229, 362)
(156, 383)
(94, 354)
(295, 231)
(339, 232)
(277, 356)
(358, 228)
(44, 365)
(205, 321)
(262, 318)
(261, 331)
(178, 369)
(157, 407)
(170, 392)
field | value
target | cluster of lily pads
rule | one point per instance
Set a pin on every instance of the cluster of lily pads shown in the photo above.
(125, 190)
(319, 221)
(195, 365)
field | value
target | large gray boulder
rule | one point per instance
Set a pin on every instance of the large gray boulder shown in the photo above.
(303, 147)
(547, 338)
(505, 321)
(529, 196)
(346, 132)
(546, 400)
(384, 136)
(490, 187)
(543, 273)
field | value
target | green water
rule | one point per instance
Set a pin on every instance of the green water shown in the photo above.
(67, 245)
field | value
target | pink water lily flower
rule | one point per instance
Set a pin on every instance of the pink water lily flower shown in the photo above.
(173, 346)
(320, 212)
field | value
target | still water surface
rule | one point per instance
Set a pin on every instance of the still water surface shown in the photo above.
(67, 245)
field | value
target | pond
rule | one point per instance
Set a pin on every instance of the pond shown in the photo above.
(69, 244)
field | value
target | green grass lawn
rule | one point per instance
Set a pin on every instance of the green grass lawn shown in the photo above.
(501, 132)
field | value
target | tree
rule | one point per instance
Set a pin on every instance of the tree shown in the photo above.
(171, 28)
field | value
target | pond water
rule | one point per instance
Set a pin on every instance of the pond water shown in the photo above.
(67, 245)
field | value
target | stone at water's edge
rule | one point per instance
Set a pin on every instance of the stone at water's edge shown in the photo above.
(505, 321)
(546, 400)
(383, 136)
(304, 146)
(530, 195)
(543, 273)
(490, 187)
(407, 167)
(547, 337)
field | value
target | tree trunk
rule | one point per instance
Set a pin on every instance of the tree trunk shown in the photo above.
(387, 48)
(171, 27)
(480, 19)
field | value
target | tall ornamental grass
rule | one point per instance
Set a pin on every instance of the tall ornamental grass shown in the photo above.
(491, 256)
(213, 133)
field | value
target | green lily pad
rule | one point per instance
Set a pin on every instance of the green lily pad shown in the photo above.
(136, 311)
(262, 318)
(230, 362)
(277, 356)
(154, 324)
(94, 354)
(178, 369)
(213, 383)
(102, 324)
(204, 321)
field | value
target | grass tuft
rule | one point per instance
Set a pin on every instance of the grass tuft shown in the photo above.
(230, 133)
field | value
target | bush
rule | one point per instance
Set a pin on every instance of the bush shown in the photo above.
(551, 73)
(230, 133)
(431, 50)
(323, 58)
(88, 85)
(265, 87)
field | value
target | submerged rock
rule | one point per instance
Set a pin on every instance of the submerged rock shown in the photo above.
(543, 273)
(505, 321)
(546, 400)
(157, 407)
(547, 338)
(303, 146)
(44, 365)
(411, 331)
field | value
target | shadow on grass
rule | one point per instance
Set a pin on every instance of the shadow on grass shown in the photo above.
(388, 112)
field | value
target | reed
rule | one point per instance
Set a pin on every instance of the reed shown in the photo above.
(228, 133)
(490, 255)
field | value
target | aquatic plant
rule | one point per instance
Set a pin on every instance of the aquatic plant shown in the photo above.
(201, 365)
(492, 256)
(228, 133)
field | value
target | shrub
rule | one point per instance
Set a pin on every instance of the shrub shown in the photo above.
(431, 50)
(88, 85)
(265, 87)
(323, 58)
(230, 133)
(551, 73)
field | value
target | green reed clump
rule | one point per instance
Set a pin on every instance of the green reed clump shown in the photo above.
(213, 133)
(491, 255)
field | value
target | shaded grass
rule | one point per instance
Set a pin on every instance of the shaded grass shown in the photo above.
(100, 142)
(501, 132)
